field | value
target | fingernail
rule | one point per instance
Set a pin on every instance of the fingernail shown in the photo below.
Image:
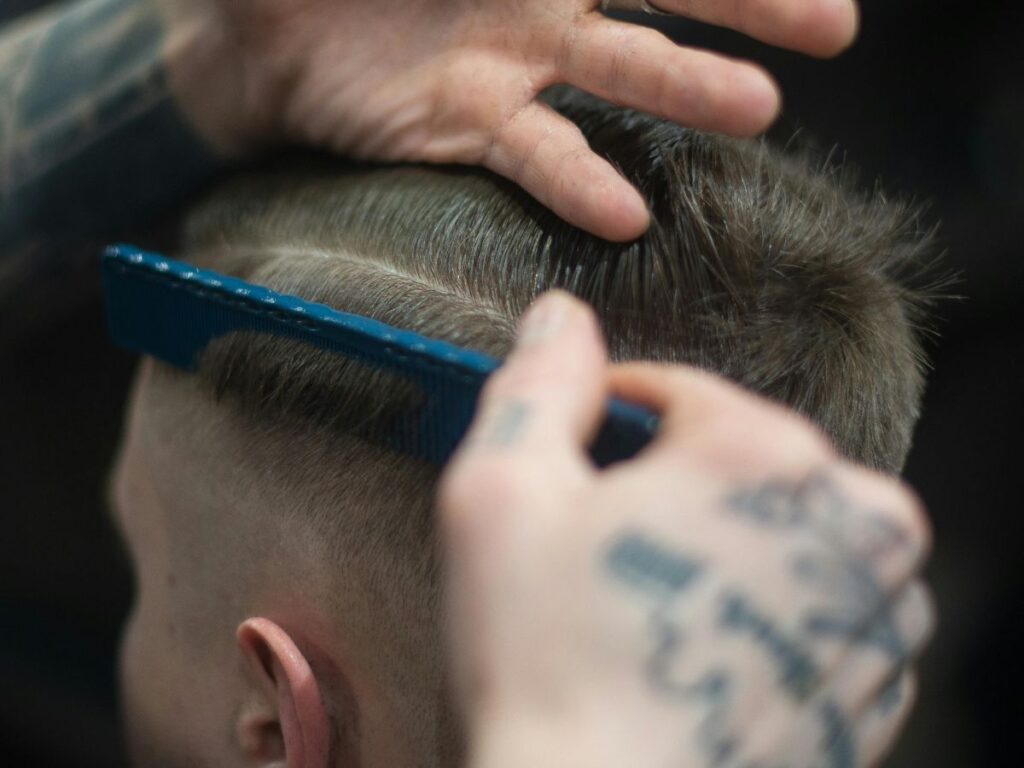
(543, 319)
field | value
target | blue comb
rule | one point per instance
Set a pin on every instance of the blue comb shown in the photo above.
(172, 311)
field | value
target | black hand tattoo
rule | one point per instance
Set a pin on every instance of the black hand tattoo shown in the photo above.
(892, 695)
(857, 608)
(509, 424)
(797, 671)
(651, 567)
(663, 575)
(839, 748)
(817, 506)
(90, 139)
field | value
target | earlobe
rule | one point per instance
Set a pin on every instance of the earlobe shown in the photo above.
(287, 724)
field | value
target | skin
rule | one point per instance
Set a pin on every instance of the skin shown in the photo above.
(98, 97)
(258, 676)
(241, 648)
(734, 595)
(456, 81)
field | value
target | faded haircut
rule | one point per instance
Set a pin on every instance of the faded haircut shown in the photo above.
(758, 265)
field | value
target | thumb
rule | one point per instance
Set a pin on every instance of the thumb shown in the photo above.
(536, 413)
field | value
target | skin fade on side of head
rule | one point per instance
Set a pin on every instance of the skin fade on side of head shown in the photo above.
(757, 266)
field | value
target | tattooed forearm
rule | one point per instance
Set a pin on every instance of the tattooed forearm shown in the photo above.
(90, 138)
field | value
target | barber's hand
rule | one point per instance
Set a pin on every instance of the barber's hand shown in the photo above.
(736, 595)
(456, 81)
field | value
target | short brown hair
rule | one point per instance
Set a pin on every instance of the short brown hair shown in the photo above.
(758, 265)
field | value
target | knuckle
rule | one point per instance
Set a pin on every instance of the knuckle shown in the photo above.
(800, 436)
(476, 485)
(913, 518)
(568, 49)
(762, 437)
(565, 170)
(905, 510)
(506, 150)
(620, 65)
(894, 503)
(523, 377)
(662, 96)
(582, 44)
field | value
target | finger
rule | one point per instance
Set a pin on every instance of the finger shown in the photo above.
(686, 398)
(708, 416)
(870, 672)
(865, 674)
(557, 369)
(536, 413)
(641, 68)
(842, 736)
(884, 525)
(816, 27)
(879, 726)
(548, 156)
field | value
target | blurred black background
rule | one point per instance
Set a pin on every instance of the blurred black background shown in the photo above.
(930, 102)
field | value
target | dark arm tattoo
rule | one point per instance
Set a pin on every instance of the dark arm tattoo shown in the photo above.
(91, 141)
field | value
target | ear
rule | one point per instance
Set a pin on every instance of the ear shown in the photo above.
(284, 723)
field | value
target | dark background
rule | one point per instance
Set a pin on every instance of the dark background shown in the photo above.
(930, 102)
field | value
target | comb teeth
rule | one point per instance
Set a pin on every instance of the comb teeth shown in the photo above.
(172, 311)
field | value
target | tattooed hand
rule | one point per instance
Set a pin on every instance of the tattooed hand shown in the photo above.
(456, 82)
(736, 595)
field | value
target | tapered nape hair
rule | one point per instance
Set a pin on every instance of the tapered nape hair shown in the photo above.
(759, 265)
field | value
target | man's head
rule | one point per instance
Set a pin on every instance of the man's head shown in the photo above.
(288, 594)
